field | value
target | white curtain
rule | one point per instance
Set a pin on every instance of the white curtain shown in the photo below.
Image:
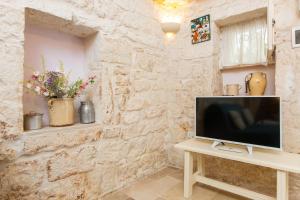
(244, 43)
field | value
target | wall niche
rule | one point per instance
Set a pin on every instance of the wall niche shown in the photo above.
(235, 74)
(54, 40)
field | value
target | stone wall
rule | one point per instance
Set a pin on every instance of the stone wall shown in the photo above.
(195, 68)
(197, 75)
(144, 97)
(287, 80)
(125, 50)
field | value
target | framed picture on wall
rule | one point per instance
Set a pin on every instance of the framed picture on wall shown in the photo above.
(201, 29)
(296, 37)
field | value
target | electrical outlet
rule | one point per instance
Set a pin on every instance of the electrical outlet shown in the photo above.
(190, 134)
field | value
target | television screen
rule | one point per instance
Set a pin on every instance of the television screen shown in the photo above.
(247, 120)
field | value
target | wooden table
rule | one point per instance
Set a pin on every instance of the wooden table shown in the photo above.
(283, 162)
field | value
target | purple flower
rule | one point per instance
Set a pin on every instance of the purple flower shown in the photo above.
(50, 81)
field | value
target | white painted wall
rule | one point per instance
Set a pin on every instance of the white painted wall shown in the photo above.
(55, 46)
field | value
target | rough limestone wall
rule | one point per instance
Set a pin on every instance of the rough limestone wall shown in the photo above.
(287, 80)
(195, 68)
(195, 73)
(11, 45)
(85, 162)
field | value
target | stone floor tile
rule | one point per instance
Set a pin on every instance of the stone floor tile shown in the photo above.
(117, 196)
(178, 175)
(152, 189)
(176, 193)
(141, 191)
(168, 185)
(165, 172)
(228, 196)
(164, 184)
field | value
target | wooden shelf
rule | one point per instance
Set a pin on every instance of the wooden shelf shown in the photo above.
(283, 162)
(241, 67)
(277, 160)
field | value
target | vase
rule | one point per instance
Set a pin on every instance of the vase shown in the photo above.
(256, 83)
(61, 111)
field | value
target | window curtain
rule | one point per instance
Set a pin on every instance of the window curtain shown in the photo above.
(244, 43)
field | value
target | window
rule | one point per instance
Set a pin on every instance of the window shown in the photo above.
(244, 43)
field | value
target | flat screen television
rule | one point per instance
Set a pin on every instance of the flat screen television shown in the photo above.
(253, 121)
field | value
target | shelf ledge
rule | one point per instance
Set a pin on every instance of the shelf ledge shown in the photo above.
(239, 67)
(50, 129)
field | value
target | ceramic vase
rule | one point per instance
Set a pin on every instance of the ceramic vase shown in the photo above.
(256, 83)
(61, 111)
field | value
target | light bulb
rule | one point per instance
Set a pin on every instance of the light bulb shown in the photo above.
(170, 35)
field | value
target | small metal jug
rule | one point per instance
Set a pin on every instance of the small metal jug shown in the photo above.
(86, 112)
(33, 121)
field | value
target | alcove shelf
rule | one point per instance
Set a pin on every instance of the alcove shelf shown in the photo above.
(49, 129)
(237, 74)
(228, 68)
(55, 38)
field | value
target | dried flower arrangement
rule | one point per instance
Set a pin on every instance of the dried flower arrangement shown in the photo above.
(55, 84)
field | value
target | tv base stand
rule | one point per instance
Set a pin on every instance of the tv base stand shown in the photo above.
(281, 161)
(217, 143)
(221, 146)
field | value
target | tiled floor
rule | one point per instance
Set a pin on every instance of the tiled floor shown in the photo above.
(167, 185)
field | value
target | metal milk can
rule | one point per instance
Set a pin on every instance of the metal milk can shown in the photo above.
(87, 112)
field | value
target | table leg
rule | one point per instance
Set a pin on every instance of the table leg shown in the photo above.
(188, 174)
(200, 165)
(282, 185)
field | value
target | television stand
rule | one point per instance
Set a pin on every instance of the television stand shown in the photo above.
(221, 146)
(283, 162)
(217, 143)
